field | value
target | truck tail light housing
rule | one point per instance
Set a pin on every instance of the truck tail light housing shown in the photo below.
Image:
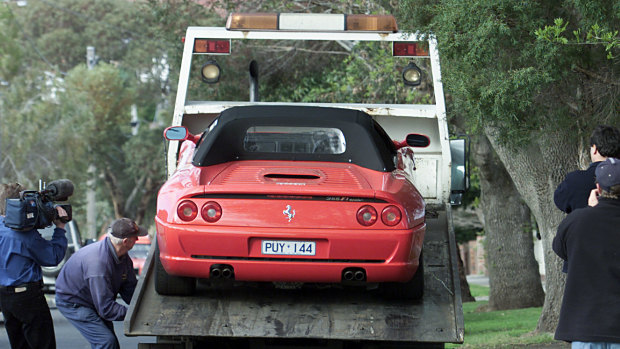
(408, 49)
(187, 210)
(212, 46)
(211, 212)
(391, 215)
(366, 215)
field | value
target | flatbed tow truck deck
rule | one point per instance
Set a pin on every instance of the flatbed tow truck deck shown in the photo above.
(258, 315)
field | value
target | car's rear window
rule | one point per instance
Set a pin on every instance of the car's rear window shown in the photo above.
(294, 139)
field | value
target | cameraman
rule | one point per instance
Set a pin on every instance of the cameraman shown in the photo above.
(27, 317)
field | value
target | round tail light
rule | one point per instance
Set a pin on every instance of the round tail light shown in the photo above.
(391, 215)
(187, 210)
(211, 212)
(366, 215)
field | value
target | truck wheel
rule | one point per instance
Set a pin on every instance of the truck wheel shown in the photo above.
(412, 289)
(171, 285)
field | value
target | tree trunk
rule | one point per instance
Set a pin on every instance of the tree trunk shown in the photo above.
(508, 236)
(536, 169)
(465, 291)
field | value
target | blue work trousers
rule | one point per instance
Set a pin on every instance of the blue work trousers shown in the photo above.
(97, 331)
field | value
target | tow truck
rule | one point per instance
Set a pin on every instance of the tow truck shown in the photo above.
(256, 315)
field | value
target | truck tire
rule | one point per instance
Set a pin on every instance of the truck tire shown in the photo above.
(411, 290)
(171, 285)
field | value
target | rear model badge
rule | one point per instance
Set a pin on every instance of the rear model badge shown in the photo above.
(289, 213)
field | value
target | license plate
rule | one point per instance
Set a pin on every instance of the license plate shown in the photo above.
(290, 248)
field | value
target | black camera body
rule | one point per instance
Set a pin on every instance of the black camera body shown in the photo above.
(37, 209)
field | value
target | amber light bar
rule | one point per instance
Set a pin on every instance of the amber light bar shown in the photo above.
(311, 22)
(408, 49)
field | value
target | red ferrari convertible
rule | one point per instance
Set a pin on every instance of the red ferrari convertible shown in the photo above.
(291, 194)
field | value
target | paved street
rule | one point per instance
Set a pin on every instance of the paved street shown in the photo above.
(68, 336)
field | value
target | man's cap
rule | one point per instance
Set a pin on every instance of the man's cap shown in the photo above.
(125, 227)
(608, 173)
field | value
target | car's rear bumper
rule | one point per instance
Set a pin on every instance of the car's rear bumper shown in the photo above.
(385, 255)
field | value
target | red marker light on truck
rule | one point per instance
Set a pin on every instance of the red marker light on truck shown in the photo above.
(408, 49)
(212, 46)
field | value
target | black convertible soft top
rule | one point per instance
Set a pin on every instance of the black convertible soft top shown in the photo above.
(367, 144)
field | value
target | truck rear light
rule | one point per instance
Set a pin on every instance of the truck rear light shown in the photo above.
(366, 215)
(211, 212)
(187, 211)
(412, 75)
(212, 46)
(391, 215)
(311, 22)
(408, 49)
(211, 72)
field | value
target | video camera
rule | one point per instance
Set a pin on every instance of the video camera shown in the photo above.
(37, 209)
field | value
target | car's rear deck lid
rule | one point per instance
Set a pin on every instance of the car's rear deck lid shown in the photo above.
(301, 174)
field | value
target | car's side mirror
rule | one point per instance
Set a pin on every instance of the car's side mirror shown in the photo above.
(180, 133)
(459, 150)
(176, 133)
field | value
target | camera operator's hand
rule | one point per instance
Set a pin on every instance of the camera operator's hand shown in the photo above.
(61, 213)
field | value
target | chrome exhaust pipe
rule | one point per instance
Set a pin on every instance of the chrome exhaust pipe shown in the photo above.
(216, 273)
(360, 275)
(348, 275)
(227, 273)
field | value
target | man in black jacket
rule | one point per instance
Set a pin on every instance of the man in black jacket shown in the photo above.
(589, 239)
(573, 192)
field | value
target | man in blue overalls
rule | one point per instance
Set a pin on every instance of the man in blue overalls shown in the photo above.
(90, 281)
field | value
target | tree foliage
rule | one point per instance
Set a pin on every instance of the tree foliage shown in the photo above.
(501, 72)
(70, 116)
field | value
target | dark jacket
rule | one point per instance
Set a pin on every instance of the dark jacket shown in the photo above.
(94, 276)
(574, 191)
(589, 239)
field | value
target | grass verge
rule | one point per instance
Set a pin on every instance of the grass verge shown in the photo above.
(500, 329)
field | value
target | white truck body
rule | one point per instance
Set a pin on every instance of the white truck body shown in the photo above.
(334, 319)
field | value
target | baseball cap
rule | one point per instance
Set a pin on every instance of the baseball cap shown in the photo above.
(125, 227)
(608, 173)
